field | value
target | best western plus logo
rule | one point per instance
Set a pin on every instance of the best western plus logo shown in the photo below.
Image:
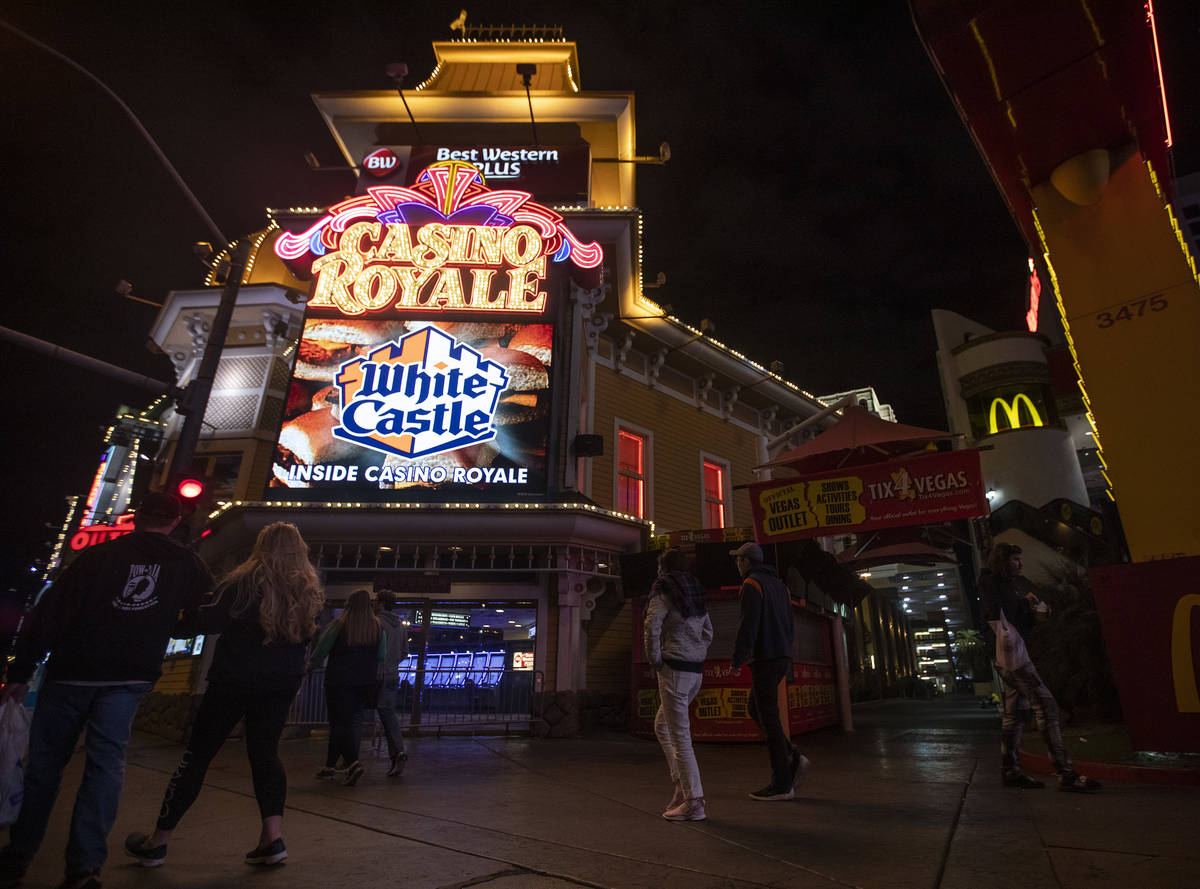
(381, 162)
(423, 394)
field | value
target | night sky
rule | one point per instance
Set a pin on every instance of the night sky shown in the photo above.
(826, 134)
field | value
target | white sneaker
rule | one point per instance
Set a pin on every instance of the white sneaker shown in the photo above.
(676, 798)
(799, 770)
(688, 810)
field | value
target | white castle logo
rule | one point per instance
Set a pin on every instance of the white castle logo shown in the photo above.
(423, 394)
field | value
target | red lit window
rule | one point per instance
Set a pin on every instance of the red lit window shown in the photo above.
(714, 495)
(631, 473)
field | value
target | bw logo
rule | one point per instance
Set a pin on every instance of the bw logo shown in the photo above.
(423, 394)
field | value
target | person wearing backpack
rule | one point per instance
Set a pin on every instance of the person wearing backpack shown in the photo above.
(675, 637)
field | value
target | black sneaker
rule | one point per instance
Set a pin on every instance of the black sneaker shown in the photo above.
(1020, 779)
(353, 773)
(264, 856)
(81, 879)
(398, 763)
(771, 793)
(136, 846)
(1077, 783)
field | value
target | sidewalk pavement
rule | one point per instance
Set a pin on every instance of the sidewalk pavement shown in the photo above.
(912, 798)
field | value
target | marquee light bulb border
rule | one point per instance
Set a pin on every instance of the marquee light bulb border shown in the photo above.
(449, 191)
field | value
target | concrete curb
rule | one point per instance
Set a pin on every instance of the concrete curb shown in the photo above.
(1116, 771)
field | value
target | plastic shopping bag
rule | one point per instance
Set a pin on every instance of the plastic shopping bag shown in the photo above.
(14, 739)
(1011, 653)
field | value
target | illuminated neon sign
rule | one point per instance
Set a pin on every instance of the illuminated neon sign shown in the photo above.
(1012, 413)
(1035, 298)
(448, 243)
(89, 506)
(90, 535)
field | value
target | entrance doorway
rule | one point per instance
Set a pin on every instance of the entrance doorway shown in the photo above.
(471, 664)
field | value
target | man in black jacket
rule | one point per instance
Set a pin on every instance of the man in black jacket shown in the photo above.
(105, 623)
(764, 640)
(1005, 612)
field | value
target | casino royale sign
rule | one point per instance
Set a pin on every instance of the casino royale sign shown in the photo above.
(446, 244)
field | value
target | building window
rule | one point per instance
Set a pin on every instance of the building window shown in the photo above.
(714, 494)
(631, 473)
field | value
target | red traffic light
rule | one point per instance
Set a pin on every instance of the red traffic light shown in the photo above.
(190, 489)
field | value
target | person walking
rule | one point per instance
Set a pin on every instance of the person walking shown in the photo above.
(396, 650)
(675, 637)
(764, 640)
(265, 613)
(1010, 619)
(105, 623)
(355, 645)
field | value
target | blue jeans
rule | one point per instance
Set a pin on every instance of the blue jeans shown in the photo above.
(62, 712)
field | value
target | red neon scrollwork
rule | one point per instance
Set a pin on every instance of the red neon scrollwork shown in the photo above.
(447, 188)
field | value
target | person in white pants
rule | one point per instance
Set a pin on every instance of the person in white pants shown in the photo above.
(676, 634)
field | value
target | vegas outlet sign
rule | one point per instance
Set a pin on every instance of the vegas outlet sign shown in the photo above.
(448, 243)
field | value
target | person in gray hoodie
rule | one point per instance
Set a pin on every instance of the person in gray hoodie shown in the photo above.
(385, 705)
(676, 634)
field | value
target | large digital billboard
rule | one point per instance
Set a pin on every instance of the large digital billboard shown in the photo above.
(425, 368)
(416, 405)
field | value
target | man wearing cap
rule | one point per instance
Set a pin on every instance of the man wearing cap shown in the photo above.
(105, 623)
(764, 640)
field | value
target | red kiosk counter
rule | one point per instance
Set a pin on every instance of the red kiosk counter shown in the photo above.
(808, 698)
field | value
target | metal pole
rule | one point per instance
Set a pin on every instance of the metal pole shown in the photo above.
(198, 391)
(87, 361)
(842, 669)
(419, 685)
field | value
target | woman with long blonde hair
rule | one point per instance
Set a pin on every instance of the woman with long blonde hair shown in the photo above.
(355, 644)
(265, 612)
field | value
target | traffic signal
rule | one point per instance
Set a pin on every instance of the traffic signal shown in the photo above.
(190, 491)
(195, 499)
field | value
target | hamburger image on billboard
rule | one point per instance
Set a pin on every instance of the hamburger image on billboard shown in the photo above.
(417, 404)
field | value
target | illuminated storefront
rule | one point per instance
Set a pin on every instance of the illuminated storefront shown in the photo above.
(454, 382)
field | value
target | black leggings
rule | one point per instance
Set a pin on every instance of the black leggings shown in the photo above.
(345, 705)
(219, 712)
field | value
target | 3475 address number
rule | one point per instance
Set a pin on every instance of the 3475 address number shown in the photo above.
(1131, 310)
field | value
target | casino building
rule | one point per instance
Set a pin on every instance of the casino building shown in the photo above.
(455, 384)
